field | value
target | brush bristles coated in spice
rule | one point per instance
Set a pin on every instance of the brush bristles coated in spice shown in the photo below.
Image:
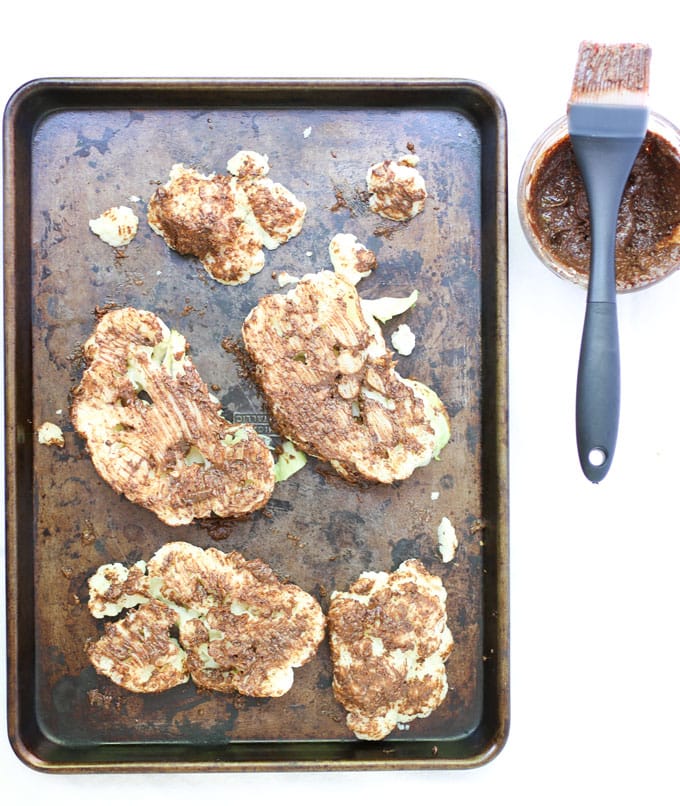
(611, 74)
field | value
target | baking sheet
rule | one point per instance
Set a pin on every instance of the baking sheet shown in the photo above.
(75, 148)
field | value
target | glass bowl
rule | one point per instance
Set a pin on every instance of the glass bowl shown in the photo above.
(553, 208)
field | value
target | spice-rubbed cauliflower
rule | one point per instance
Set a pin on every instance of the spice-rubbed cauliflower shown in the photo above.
(155, 433)
(225, 221)
(331, 385)
(138, 652)
(389, 641)
(115, 588)
(350, 259)
(250, 630)
(397, 188)
(240, 628)
(116, 226)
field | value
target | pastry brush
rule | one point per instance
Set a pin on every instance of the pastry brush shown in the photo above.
(607, 120)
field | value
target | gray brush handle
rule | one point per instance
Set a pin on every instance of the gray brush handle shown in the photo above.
(606, 142)
(598, 392)
(598, 384)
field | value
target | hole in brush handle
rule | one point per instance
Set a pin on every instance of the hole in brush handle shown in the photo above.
(597, 457)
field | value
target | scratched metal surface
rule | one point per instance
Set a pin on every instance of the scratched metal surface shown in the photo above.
(317, 531)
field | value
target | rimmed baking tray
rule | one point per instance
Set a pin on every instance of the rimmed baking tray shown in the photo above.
(73, 148)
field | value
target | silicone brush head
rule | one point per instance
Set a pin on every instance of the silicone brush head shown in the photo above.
(611, 74)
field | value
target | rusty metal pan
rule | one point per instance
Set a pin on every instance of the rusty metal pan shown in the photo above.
(73, 148)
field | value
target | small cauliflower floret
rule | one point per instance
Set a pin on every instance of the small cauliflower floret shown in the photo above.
(389, 642)
(403, 340)
(116, 226)
(331, 386)
(225, 221)
(350, 259)
(447, 540)
(242, 628)
(138, 653)
(51, 434)
(397, 188)
(154, 431)
(115, 588)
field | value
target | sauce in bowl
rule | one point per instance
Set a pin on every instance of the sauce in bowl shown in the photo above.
(554, 209)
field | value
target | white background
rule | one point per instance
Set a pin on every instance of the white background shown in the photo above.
(594, 569)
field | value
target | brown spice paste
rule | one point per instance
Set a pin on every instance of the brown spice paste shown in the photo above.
(648, 228)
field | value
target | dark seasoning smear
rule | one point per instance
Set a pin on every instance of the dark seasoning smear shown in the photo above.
(318, 531)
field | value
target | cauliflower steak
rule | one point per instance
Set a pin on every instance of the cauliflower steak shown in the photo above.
(155, 433)
(331, 385)
(240, 628)
(249, 630)
(389, 641)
